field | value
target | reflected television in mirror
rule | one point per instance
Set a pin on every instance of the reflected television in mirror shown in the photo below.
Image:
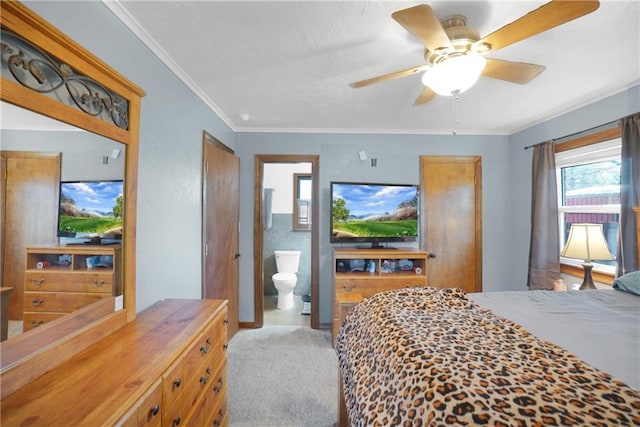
(90, 212)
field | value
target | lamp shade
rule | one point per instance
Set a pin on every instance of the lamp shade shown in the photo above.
(587, 242)
(454, 75)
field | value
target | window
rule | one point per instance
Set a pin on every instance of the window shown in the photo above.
(301, 201)
(589, 191)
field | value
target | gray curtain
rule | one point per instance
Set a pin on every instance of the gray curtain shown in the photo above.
(629, 194)
(544, 248)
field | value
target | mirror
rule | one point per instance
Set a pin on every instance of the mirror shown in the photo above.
(92, 88)
(90, 170)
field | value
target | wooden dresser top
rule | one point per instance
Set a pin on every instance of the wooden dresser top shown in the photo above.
(95, 385)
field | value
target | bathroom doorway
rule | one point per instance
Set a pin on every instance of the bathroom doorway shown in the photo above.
(286, 218)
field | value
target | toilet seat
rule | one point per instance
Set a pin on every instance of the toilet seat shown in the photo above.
(284, 276)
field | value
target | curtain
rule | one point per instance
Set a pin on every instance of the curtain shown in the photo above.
(629, 194)
(544, 248)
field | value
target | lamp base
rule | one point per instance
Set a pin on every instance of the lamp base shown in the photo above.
(587, 282)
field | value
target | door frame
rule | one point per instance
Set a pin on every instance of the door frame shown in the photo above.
(258, 233)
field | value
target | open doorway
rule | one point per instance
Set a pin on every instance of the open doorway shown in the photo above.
(297, 227)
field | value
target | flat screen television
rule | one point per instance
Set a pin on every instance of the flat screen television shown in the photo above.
(91, 210)
(373, 213)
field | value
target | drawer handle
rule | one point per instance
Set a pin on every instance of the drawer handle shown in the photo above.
(98, 284)
(219, 386)
(37, 302)
(218, 420)
(36, 324)
(176, 383)
(348, 288)
(225, 321)
(205, 379)
(155, 410)
(176, 421)
(37, 282)
(204, 349)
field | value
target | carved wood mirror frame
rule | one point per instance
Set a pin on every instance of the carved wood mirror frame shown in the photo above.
(30, 358)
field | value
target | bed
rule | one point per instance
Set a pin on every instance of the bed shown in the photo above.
(431, 356)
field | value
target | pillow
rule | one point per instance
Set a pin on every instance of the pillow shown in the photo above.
(629, 282)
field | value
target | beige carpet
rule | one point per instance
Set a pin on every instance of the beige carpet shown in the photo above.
(284, 376)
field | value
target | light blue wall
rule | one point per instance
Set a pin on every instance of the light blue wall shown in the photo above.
(398, 162)
(169, 178)
(169, 190)
(80, 152)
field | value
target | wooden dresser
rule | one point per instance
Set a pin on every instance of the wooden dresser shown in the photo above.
(359, 273)
(62, 279)
(166, 368)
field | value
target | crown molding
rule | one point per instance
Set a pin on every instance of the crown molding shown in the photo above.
(116, 7)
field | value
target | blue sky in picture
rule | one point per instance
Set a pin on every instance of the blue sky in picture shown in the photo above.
(93, 196)
(363, 200)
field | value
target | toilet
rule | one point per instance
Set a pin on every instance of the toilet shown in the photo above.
(285, 279)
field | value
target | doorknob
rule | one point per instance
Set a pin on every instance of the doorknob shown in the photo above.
(236, 256)
(432, 255)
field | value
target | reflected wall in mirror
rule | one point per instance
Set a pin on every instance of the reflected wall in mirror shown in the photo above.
(32, 354)
(39, 153)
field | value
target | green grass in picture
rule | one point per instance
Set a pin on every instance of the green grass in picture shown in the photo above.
(88, 225)
(379, 228)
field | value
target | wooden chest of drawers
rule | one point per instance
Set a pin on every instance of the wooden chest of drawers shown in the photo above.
(166, 368)
(61, 279)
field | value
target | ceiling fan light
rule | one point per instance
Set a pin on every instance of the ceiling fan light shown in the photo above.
(455, 74)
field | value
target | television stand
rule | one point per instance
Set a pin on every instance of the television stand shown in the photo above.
(394, 268)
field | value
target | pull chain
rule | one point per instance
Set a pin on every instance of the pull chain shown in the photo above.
(455, 97)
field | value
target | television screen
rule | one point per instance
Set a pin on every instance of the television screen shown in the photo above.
(373, 213)
(91, 209)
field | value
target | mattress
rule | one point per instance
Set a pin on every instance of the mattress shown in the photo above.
(600, 327)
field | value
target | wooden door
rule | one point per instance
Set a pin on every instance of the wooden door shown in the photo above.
(451, 220)
(29, 203)
(220, 219)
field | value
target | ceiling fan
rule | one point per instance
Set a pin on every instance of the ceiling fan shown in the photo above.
(454, 52)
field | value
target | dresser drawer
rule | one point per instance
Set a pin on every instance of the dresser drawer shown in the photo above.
(209, 342)
(150, 408)
(54, 280)
(218, 414)
(217, 390)
(174, 415)
(172, 386)
(147, 412)
(367, 287)
(33, 320)
(62, 302)
(203, 360)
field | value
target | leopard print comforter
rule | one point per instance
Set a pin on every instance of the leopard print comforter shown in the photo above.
(433, 357)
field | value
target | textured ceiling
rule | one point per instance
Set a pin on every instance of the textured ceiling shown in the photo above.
(285, 66)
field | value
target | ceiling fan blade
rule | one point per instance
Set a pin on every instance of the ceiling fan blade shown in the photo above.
(514, 72)
(423, 22)
(389, 76)
(544, 18)
(426, 96)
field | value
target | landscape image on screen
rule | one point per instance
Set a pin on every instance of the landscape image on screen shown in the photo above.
(374, 211)
(90, 208)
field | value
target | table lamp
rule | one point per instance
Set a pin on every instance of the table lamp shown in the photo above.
(587, 242)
